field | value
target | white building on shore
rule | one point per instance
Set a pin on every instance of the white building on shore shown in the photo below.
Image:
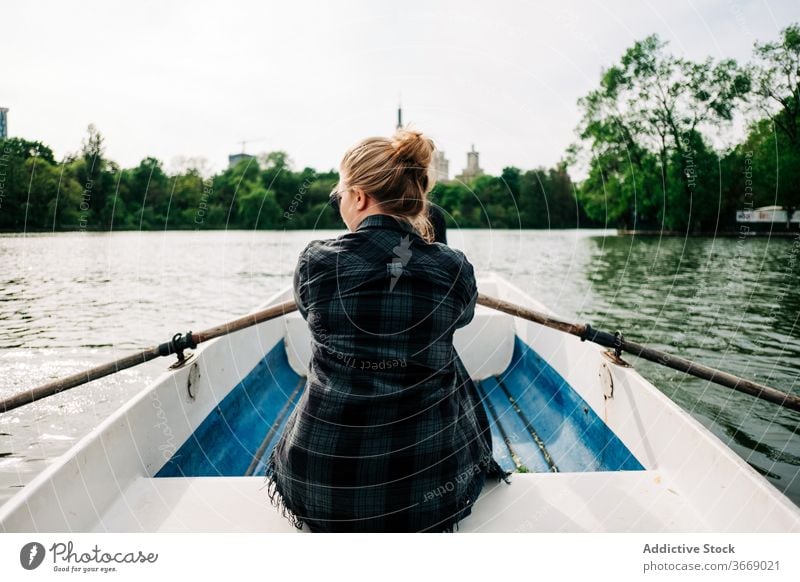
(769, 218)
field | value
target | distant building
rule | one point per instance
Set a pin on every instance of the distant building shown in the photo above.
(473, 169)
(769, 218)
(234, 159)
(441, 166)
(3, 122)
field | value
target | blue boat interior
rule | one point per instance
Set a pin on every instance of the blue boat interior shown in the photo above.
(539, 422)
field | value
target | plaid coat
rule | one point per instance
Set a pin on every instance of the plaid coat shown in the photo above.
(389, 434)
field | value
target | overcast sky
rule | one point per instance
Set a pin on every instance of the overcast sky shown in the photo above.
(172, 79)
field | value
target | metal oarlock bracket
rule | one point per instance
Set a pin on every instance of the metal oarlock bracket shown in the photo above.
(617, 344)
(616, 355)
(177, 345)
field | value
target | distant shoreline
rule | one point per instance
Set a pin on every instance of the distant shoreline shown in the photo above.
(719, 233)
(608, 231)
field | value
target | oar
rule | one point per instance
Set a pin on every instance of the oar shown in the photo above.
(176, 345)
(620, 344)
(584, 331)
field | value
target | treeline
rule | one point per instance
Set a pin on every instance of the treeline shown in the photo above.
(646, 144)
(542, 198)
(86, 191)
(647, 136)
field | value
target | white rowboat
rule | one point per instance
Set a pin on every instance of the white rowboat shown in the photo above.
(596, 447)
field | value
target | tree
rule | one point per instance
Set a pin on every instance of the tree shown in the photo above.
(258, 209)
(228, 186)
(776, 81)
(147, 195)
(774, 142)
(28, 181)
(653, 103)
(22, 149)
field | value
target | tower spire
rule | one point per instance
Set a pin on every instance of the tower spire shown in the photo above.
(399, 112)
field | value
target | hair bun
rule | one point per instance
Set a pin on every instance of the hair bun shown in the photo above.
(412, 146)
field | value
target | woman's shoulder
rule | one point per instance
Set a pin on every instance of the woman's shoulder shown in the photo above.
(323, 254)
(315, 253)
(450, 266)
(446, 253)
(434, 257)
(318, 247)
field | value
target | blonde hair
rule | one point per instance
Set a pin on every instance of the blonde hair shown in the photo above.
(396, 172)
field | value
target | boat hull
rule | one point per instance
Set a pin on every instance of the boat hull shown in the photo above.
(595, 446)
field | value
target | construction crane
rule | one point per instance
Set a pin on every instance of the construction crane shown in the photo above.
(244, 142)
(234, 159)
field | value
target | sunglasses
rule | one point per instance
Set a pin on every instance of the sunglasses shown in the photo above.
(333, 200)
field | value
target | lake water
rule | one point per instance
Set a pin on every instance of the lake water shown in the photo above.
(73, 300)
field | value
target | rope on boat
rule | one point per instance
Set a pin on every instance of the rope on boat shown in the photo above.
(529, 427)
(490, 406)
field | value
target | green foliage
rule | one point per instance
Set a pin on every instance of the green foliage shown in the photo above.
(776, 81)
(534, 199)
(643, 137)
(88, 192)
(644, 141)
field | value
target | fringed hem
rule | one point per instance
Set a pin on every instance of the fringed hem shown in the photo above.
(491, 469)
(276, 498)
(495, 471)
